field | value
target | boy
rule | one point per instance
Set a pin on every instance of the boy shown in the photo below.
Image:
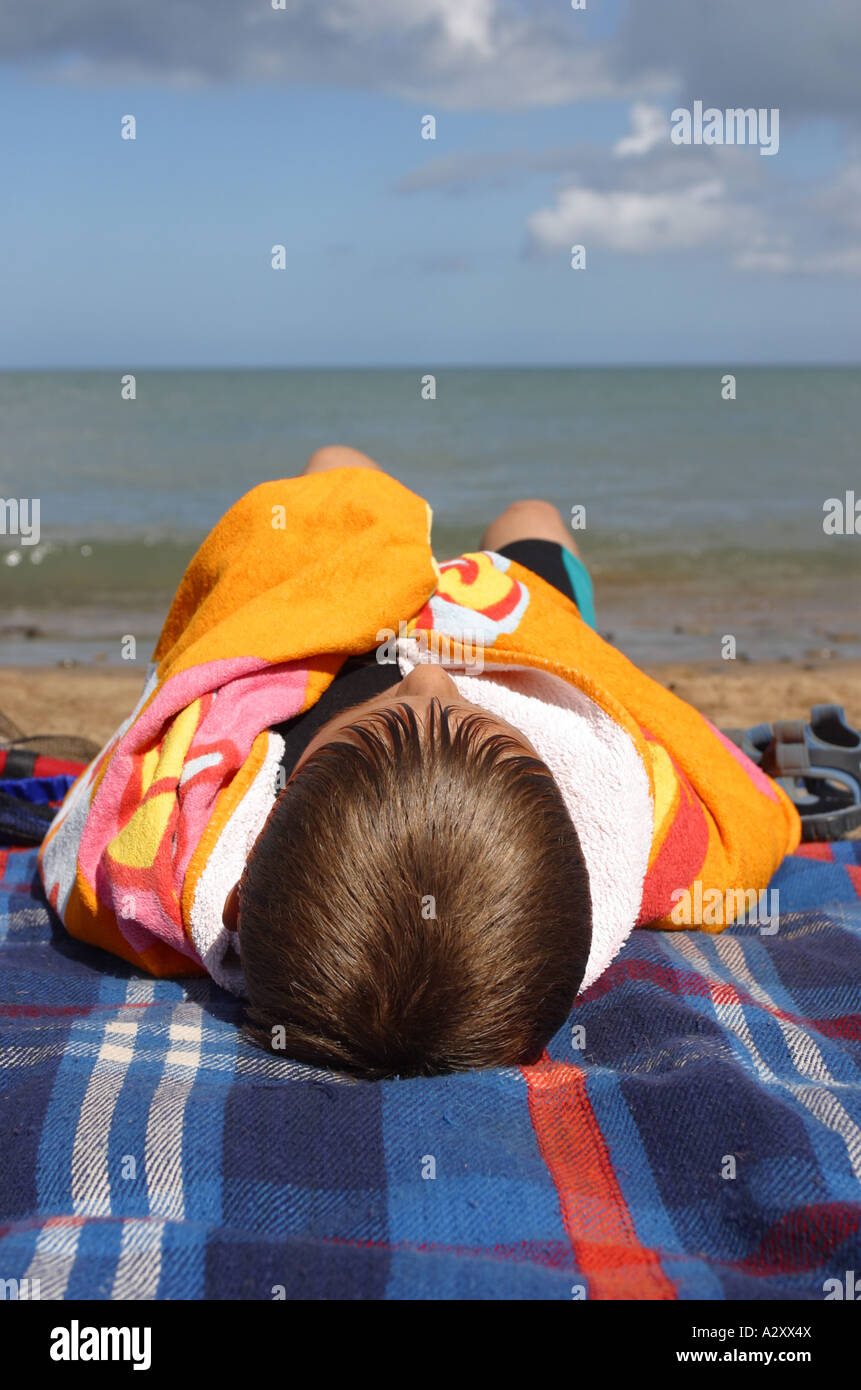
(406, 868)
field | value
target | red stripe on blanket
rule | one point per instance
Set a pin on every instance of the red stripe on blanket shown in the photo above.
(854, 872)
(823, 852)
(685, 983)
(594, 1211)
(4, 860)
(43, 766)
(67, 1010)
(804, 1239)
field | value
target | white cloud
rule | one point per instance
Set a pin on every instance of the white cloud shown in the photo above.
(650, 129)
(641, 223)
(647, 197)
(466, 26)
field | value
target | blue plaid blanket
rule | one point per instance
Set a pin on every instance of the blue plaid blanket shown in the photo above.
(693, 1132)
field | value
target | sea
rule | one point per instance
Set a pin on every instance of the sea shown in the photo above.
(700, 516)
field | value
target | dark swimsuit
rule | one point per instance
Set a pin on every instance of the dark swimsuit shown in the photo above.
(362, 677)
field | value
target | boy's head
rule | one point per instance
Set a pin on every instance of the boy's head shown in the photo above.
(417, 902)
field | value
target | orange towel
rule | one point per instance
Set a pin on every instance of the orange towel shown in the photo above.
(298, 575)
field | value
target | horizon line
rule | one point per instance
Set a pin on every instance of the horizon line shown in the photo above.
(431, 366)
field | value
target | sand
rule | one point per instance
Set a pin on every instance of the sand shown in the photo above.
(93, 702)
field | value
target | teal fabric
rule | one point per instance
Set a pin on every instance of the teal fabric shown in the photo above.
(581, 583)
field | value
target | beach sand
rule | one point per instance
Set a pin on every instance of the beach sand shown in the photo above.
(93, 702)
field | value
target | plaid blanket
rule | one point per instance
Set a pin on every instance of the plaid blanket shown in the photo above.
(693, 1132)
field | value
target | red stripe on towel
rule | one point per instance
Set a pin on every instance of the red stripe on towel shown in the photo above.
(594, 1212)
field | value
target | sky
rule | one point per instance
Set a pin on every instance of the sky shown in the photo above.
(302, 125)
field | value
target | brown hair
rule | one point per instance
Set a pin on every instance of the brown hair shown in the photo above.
(417, 903)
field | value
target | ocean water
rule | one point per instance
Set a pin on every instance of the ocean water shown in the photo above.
(703, 516)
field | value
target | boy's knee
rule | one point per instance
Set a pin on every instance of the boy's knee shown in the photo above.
(532, 507)
(529, 518)
(337, 456)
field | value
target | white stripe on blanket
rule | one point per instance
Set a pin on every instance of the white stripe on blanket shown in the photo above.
(598, 771)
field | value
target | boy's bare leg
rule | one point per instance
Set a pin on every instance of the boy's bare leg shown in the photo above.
(529, 520)
(337, 456)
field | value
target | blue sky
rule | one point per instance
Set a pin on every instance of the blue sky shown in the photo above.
(303, 128)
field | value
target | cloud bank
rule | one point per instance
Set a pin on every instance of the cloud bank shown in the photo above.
(639, 196)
